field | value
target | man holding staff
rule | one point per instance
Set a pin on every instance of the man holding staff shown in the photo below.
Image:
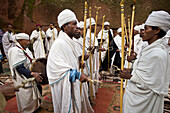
(149, 80)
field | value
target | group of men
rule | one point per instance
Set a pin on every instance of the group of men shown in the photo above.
(70, 87)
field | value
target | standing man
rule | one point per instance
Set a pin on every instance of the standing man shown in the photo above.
(8, 40)
(62, 67)
(37, 38)
(51, 35)
(20, 59)
(149, 80)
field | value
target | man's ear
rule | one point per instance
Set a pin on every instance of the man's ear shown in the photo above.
(157, 31)
(64, 27)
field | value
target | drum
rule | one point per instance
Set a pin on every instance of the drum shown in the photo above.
(40, 66)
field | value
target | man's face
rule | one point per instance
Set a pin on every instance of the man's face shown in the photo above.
(38, 27)
(82, 31)
(24, 43)
(71, 29)
(51, 26)
(141, 32)
(148, 33)
(106, 27)
(92, 28)
(10, 29)
(79, 34)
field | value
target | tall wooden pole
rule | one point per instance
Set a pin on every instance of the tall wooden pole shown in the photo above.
(84, 38)
(97, 12)
(122, 58)
(101, 42)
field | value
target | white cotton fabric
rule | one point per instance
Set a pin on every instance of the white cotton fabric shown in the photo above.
(52, 33)
(106, 23)
(37, 45)
(81, 24)
(22, 36)
(119, 30)
(86, 106)
(62, 58)
(5, 41)
(118, 42)
(88, 22)
(137, 28)
(150, 81)
(27, 99)
(160, 19)
(66, 16)
(137, 43)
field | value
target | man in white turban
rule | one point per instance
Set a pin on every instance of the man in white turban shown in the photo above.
(20, 59)
(107, 32)
(149, 80)
(51, 35)
(37, 38)
(62, 67)
(8, 40)
(95, 58)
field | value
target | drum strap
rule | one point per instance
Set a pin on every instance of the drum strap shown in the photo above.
(25, 53)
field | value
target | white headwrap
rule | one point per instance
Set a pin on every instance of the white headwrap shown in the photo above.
(78, 24)
(88, 22)
(168, 34)
(142, 26)
(106, 23)
(66, 16)
(119, 30)
(81, 24)
(160, 19)
(22, 36)
(137, 28)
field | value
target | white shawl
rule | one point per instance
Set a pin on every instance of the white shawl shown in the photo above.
(62, 58)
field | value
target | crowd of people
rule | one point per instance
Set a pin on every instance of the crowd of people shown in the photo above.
(147, 67)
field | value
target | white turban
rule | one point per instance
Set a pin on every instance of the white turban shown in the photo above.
(106, 23)
(22, 36)
(81, 24)
(78, 24)
(137, 28)
(66, 16)
(88, 22)
(160, 19)
(167, 34)
(142, 26)
(119, 30)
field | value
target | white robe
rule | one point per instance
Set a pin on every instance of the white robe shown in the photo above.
(63, 57)
(137, 43)
(37, 46)
(5, 41)
(49, 33)
(150, 81)
(105, 43)
(95, 61)
(86, 106)
(27, 99)
(118, 41)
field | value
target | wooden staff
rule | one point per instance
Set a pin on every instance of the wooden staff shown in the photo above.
(84, 38)
(53, 34)
(126, 31)
(129, 25)
(101, 42)
(91, 85)
(122, 59)
(132, 24)
(108, 52)
(42, 44)
(97, 12)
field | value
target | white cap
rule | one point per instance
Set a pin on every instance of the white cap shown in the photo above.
(22, 36)
(160, 19)
(137, 28)
(88, 22)
(81, 24)
(119, 30)
(106, 23)
(66, 16)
